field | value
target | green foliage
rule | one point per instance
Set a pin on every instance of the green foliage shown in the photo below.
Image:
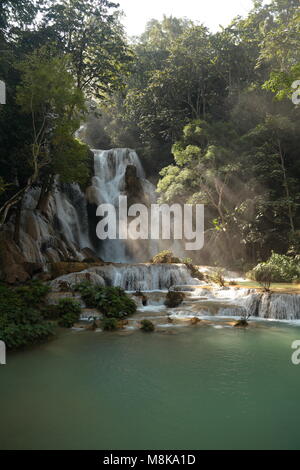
(193, 270)
(88, 292)
(217, 277)
(165, 257)
(147, 326)
(69, 312)
(33, 294)
(89, 32)
(70, 159)
(205, 97)
(112, 302)
(263, 274)
(279, 268)
(21, 315)
(110, 324)
(55, 56)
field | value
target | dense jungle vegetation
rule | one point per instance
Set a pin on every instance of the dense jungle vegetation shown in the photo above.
(211, 114)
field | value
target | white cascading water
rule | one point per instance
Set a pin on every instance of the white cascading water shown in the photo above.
(62, 233)
(110, 169)
(136, 277)
(146, 277)
(71, 212)
(274, 306)
(107, 185)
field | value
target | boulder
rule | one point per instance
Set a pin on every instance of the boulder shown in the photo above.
(90, 256)
(13, 265)
(133, 186)
(63, 268)
(241, 324)
(71, 280)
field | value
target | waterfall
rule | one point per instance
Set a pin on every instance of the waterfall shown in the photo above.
(145, 277)
(108, 183)
(59, 234)
(71, 214)
(110, 169)
(135, 277)
(274, 306)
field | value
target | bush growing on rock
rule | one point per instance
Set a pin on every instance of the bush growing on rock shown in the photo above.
(193, 270)
(263, 274)
(69, 311)
(112, 302)
(217, 277)
(165, 257)
(88, 293)
(147, 326)
(174, 299)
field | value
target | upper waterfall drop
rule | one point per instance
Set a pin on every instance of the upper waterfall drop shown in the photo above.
(110, 171)
(110, 181)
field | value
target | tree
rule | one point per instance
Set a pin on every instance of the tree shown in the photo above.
(280, 46)
(90, 33)
(49, 98)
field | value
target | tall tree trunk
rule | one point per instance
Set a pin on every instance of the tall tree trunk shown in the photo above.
(45, 193)
(286, 186)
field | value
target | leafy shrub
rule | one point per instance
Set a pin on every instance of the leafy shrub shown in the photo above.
(50, 312)
(110, 324)
(69, 312)
(263, 274)
(20, 335)
(88, 293)
(165, 257)
(21, 315)
(33, 294)
(147, 326)
(193, 270)
(174, 299)
(280, 268)
(112, 302)
(217, 277)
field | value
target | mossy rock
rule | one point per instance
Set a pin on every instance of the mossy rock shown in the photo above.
(174, 299)
(63, 268)
(165, 257)
(147, 326)
(195, 321)
(241, 324)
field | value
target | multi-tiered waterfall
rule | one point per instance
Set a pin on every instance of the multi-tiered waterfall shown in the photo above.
(65, 231)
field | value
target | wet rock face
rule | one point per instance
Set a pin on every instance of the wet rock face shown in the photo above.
(12, 262)
(69, 281)
(64, 268)
(133, 186)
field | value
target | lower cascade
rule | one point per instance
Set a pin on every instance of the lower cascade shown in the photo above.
(132, 278)
(235, 302)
